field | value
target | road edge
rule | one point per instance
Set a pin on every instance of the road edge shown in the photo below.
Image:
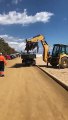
(54, 78)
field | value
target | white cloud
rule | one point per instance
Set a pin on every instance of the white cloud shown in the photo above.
(14, 17)
(17, 46)
(16, 43)
(16, 1)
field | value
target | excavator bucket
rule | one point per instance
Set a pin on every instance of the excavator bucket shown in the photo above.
(31, 45)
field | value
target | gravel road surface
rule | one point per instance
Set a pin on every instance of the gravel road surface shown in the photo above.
(26, 93)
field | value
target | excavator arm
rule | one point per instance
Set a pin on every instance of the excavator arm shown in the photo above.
(37, 38)
(33, 42)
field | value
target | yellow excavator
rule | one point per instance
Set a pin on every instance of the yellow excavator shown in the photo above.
(59, 53)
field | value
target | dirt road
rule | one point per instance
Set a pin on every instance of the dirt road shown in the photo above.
(26, 93)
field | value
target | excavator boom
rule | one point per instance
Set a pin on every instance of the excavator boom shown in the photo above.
(36, 38)
(33, 42)
(29, 58)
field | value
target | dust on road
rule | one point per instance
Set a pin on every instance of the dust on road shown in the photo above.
(26, 93)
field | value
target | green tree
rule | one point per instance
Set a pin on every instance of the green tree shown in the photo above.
(5, 48)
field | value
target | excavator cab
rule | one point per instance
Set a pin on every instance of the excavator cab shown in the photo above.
(59, 54)
(59, 49)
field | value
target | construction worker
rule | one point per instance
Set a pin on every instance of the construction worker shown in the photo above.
(2, 64)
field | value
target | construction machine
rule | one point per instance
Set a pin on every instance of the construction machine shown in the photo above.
(59, 53)
(28, 58)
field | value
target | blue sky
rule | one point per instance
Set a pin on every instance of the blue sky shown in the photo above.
(21, 19)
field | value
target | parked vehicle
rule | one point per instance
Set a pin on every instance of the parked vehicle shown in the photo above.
(8, 57)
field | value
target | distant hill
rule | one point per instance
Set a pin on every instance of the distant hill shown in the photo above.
(5, 48)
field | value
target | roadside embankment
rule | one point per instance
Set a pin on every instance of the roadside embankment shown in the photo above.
(60, 75)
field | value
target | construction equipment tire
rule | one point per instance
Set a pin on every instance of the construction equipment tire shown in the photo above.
(64, 62)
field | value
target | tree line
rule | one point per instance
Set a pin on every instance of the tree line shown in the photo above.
(5, 48)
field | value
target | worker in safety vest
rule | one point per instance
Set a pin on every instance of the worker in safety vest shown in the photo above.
(2, 64)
